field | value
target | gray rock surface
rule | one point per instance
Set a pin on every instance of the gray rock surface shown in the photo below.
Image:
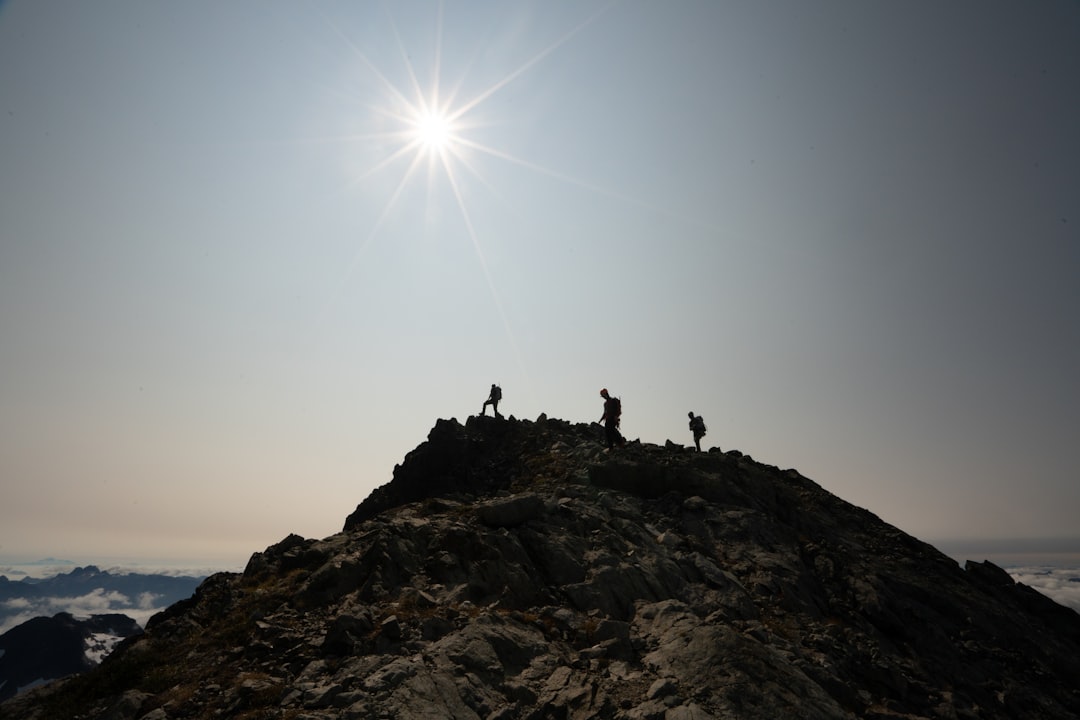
(513, 570)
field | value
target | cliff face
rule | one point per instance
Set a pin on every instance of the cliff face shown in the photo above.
(513, 569)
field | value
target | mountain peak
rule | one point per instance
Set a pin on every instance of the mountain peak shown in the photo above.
(513, 569)
(488, 456)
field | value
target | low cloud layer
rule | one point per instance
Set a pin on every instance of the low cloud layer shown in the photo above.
(86, 591)
(97, 602)
(1062, 585)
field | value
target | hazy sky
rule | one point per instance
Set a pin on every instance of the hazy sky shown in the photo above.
(235, 291)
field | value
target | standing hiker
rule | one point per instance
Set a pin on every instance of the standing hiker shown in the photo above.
(493, 400)
(610, 418)
(697, 426)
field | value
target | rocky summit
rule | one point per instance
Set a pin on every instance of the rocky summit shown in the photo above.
(514, 570)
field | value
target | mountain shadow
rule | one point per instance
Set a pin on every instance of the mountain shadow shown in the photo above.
(45, 648)
(512, 569)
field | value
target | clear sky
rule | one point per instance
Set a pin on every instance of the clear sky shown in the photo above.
(237, 284)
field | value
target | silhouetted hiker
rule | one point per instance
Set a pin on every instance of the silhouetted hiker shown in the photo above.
(697, 426)
(493, 400)
(610, 418)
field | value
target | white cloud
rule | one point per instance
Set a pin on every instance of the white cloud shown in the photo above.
(95, 602)
(147, 600)
(143, 615)
(15, 603)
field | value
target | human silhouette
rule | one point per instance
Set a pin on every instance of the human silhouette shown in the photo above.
(610, 419)
(493, 400)
(697, 426)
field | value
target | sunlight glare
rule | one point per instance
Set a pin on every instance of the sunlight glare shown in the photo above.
(433, 127)
(434, 131)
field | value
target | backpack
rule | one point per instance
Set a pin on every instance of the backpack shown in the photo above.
(616, 407)
(698, 425)
(496, 393)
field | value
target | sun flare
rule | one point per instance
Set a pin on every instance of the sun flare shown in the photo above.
(434, 131)
(425, 125)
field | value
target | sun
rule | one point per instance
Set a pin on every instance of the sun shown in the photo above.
(432, 126)
(434, 131)
(425, 125)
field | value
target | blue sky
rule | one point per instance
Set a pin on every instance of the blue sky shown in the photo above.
(235, 291)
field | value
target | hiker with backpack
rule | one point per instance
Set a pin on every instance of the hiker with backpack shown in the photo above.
(493, 400)
(610, 419)
(697, 426)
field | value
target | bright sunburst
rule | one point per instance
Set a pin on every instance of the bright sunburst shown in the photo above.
(434, 124)
(435, 131)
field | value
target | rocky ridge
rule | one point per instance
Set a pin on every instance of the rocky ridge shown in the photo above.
(512, 569)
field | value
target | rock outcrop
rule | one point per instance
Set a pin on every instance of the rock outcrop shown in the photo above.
(513, 569)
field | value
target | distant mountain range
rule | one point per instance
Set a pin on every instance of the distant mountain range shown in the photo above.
(89, 590)
(61, 625)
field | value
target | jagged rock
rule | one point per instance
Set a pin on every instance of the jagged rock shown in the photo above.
(510, 511)
(514, 571)
(127, 707)
(989, 573)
